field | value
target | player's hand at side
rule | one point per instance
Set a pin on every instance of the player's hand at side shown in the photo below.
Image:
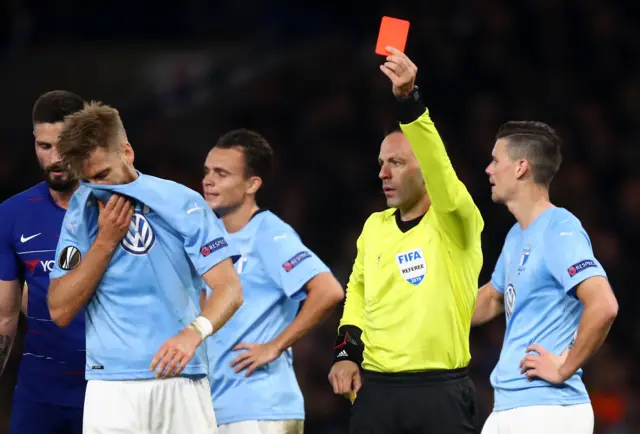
(114, 220)
(544, 365)
(254, 356)
(401, 71)
(345, 378)
(175, 353)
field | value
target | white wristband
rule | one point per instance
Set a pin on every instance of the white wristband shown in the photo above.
(203, 326)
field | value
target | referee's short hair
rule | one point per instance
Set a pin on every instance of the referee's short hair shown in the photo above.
(52, 107)
(258, 154)
(535, 142)
(393, 127)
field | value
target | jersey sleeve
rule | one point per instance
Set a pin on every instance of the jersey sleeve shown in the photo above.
(497, 278)
(288, 262)
(454, 207)
(72, 246)
(9, 264)
(205, 239)
(569, 256)
(353, 313)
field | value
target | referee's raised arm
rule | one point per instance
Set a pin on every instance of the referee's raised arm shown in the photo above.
(450, 199)
(403, 342)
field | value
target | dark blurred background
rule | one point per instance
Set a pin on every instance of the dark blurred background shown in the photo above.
(305, 76)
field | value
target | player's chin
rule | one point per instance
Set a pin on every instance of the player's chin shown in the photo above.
(496, 198)
(62, 183)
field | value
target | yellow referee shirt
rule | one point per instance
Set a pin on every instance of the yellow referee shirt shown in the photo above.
(413, 293)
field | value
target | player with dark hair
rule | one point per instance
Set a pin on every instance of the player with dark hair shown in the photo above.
(557, 300)
(253, 384)
(411, 293)
(49, 396)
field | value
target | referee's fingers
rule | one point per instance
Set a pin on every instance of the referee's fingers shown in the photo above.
(357, 382)
(346, 381)
(333, 379)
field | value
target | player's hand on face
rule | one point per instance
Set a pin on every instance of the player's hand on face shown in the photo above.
(345, 377)
(175, 353)
(114, 219)
(544, 365)
(401, 71)
(254, 356)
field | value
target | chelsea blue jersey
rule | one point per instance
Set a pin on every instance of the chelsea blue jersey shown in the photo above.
(52, 366)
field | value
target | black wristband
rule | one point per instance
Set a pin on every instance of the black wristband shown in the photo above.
(410, 107)
(349, 345)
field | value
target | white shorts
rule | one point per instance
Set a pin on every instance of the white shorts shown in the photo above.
(541, 419)
(263, 427)
(157, 406)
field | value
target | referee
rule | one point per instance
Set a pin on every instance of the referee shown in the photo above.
(412, 291)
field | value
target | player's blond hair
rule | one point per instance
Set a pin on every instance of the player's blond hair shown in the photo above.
(97, 125)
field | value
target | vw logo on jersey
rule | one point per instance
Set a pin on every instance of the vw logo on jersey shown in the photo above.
(412, 266)
(509, 300)
(140, 237)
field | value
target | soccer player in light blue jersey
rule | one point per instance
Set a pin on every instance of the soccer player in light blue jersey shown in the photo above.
(253, 384)
(134, 249)
(556, 298)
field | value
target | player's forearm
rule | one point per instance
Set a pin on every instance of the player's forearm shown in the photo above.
(324, 293)
(487, 306)
(8, 327)
(594, 326)
(69, 294)
(10, 295)
(226, 297)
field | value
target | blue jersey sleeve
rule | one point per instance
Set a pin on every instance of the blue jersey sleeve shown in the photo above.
(9, 264)
(205, 239)
(497, 278)
(569, 256)
(288, 262)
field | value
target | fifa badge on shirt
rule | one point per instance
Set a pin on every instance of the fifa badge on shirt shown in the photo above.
(412, 265)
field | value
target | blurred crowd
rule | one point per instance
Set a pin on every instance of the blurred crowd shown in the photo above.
(323, 105)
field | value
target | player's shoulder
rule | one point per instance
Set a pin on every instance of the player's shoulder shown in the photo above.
(181, 194)
(269, 225)
(562, 220)
(32, 196)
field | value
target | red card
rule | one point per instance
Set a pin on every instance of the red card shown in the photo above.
(393, 33)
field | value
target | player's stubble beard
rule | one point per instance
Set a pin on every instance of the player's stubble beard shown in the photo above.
(63, 184)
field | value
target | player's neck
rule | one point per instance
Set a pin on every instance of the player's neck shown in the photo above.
(529, 205)
(237, 219)
(62, 198)
(416, 210)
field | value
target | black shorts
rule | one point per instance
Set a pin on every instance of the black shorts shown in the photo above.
(435, 402)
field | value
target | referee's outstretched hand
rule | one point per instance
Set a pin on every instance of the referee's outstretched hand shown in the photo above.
(345, 377)
(401, 71)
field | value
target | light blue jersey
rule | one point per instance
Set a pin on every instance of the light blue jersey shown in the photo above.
(537, 272)
(150, 289)
(273, 269)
